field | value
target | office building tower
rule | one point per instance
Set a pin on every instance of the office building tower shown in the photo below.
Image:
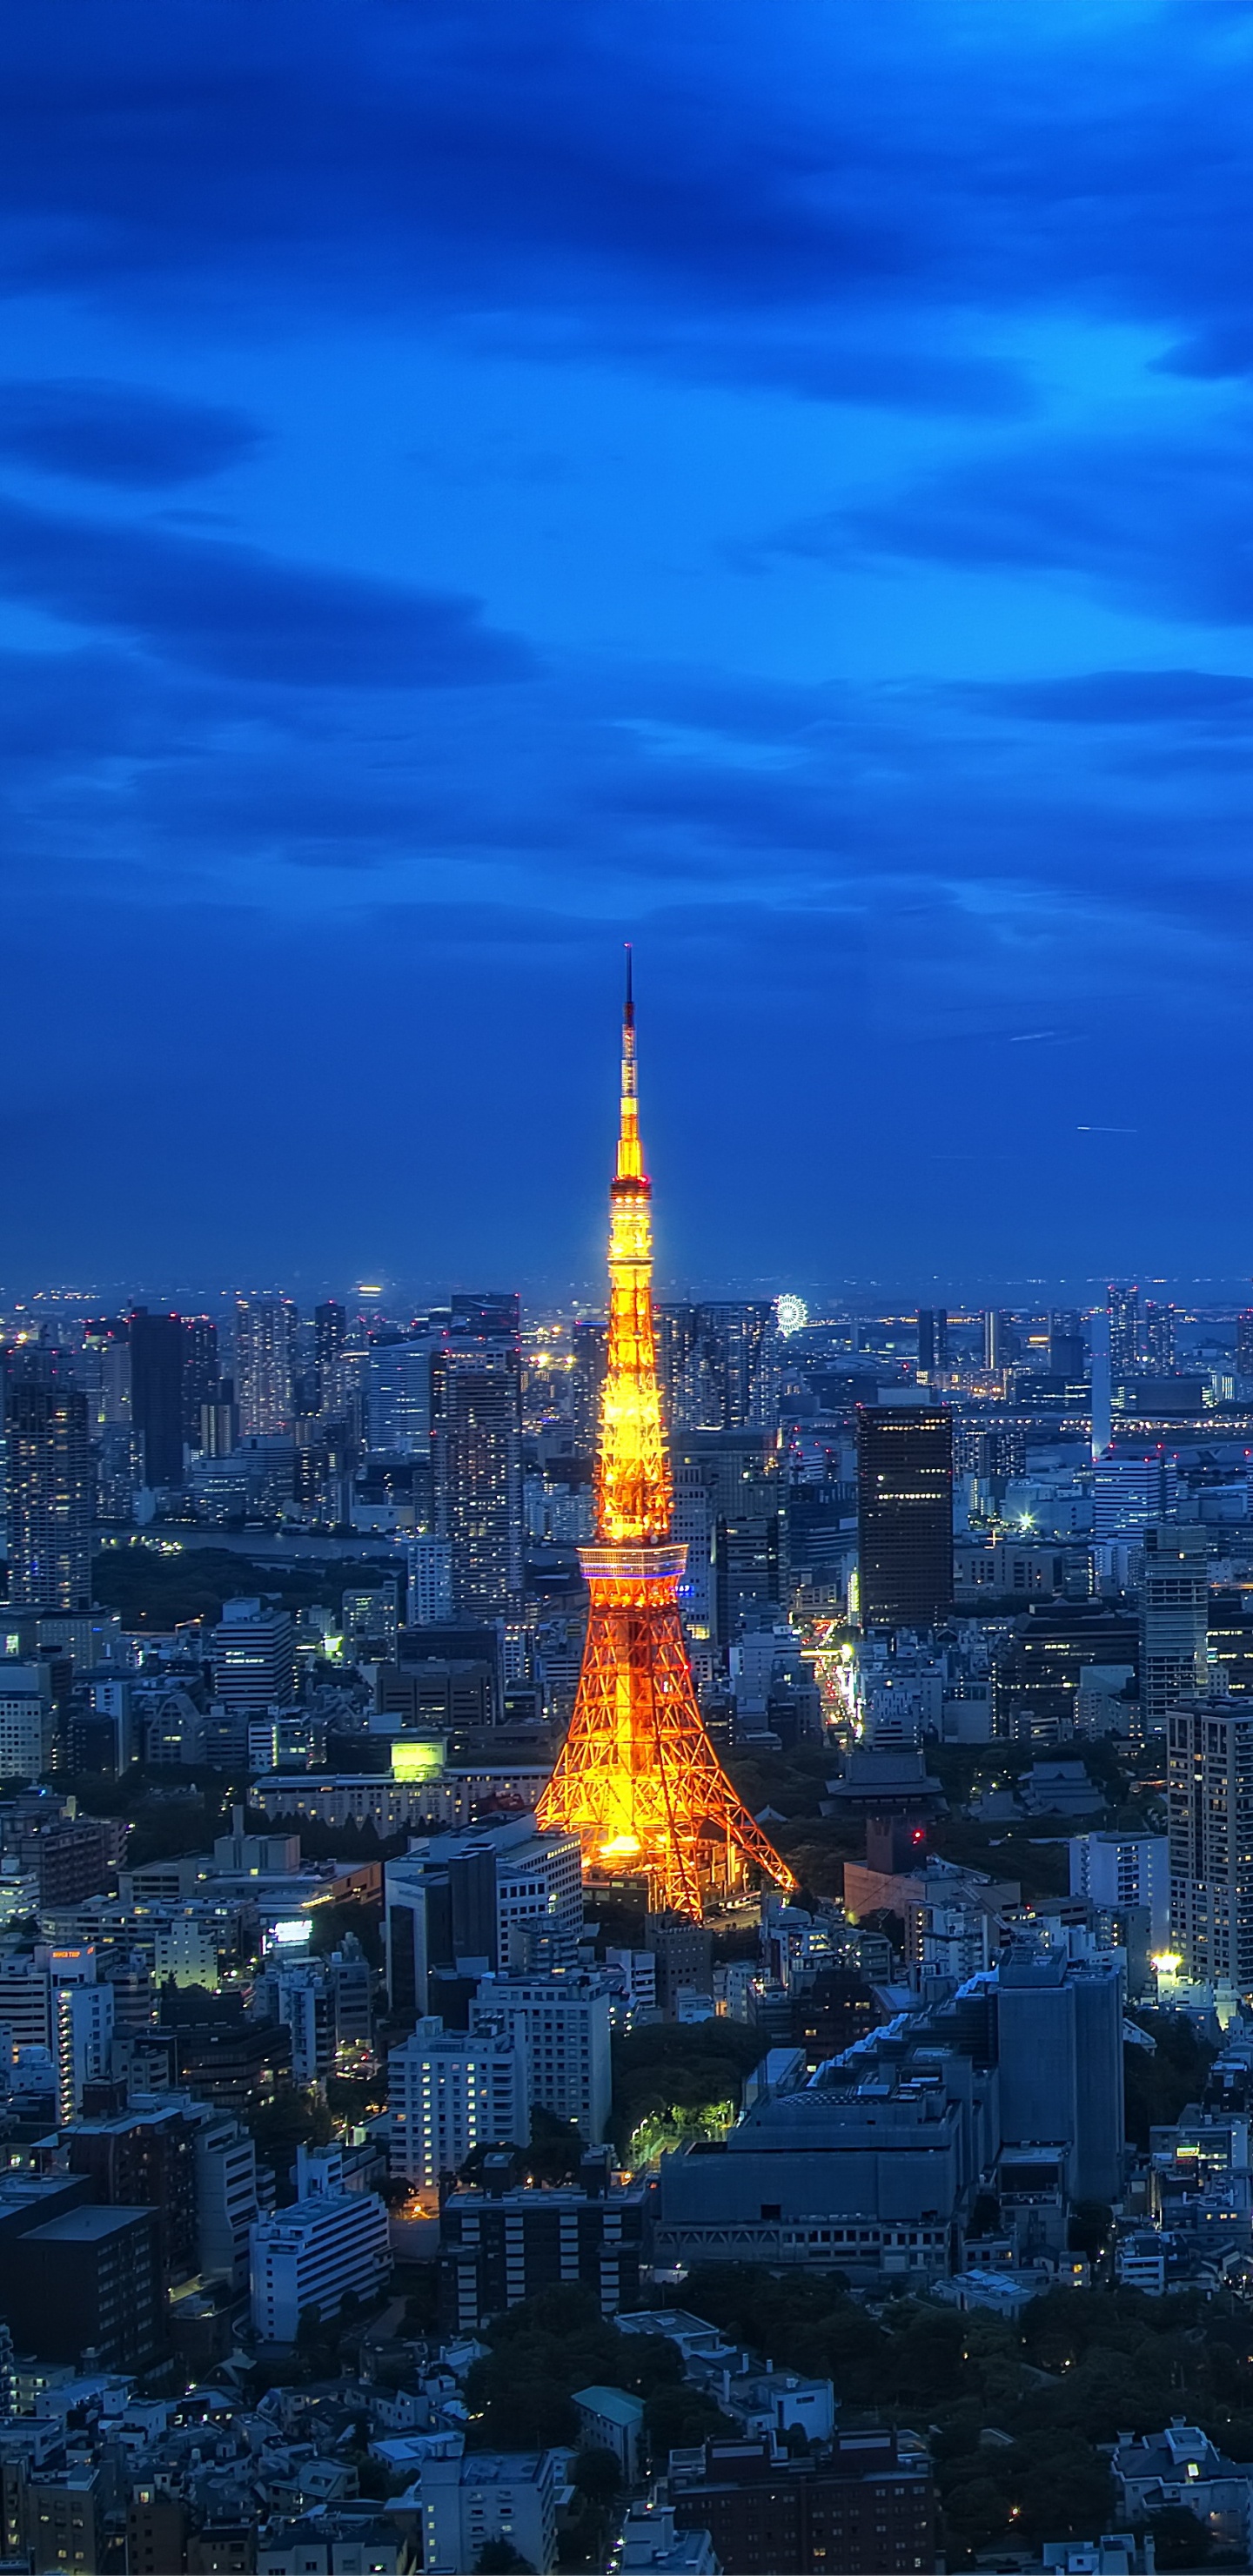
(750, 1580)
(253, 1656)
(729, 1510)
(309, 2256)
(1067, 1352)
(102, 1370)
(1174, 1611)
(449, 2092)
(49, 1485)
(1115, 1871)
(88, 2281)
(719, 1365)
(201, 1374)
(398, 1394)
(1157, 1337)
(1129, 1494)
(473, 1897)
(1244, 1342)
(932, 1341)
(476, 1451)
(996, 1339)
(158, 1344)
(1122, 1308)
(638, 1778)
(27, 1720)
(265, 1363)
(330, 1333)
(430, 1581)
(904, 1515)
(1038, 1672)
(561, 2024)
(1209, 1798)
(589, 1343)
(1059, 2054)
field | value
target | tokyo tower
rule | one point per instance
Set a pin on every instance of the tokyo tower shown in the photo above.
(638, 1779)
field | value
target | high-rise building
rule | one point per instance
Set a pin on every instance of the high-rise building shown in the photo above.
(1128, 1494)
(158, 1346)
(26, 1721)
(330, 1333)
(1209, 1799)
(309, 2256)
(265, 1362)
(719, 1365)
(561, 2024)
(1157, 1336)
(430, 1581)
(449, 2092)
(476, 1896)
(1067, 1354)
(1116, 1871)
(48, 1464)
(589, 1343)
(89, 2280)
(1174, 1612)
(904, 1515)
(399, 1393)
(201, 1375)
(932, 1341)
(476, 1450)
(1244, 1342)
(253, 1656)
(1059, 2051)
(500, 2244)
(1122, 1307)
(637, 1778)
(996, 1339)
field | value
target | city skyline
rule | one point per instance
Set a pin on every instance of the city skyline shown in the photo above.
(588, 477)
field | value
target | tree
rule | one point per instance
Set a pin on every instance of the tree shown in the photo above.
(500, 2558)
(596, 2474)
(1180, 2538)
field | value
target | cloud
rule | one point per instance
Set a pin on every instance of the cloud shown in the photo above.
(726, 194)
(101, 432)
(1157, 522)
(238, 612)
(1209, 698)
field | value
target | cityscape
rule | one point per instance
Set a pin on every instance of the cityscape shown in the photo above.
(626, 1300)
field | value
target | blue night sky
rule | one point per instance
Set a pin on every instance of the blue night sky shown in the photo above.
(479, 483)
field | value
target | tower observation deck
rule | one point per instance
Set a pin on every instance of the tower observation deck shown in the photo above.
(637, 1778)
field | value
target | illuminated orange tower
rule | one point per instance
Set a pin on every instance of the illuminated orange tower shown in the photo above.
(638, 1779)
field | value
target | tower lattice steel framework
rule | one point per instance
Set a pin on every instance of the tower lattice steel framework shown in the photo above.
(638, 1779)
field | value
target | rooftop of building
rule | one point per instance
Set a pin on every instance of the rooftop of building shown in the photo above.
(613, 2403)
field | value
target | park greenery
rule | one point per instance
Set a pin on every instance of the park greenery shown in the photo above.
(1015, 2414)
(672, 2080)
(154, 1588)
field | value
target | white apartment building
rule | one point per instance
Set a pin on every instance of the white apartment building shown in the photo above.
(309, 2256)
(474, 2497)
(451, 2091)
(563, 2024)
(226, 2199)
(1116, 1870)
